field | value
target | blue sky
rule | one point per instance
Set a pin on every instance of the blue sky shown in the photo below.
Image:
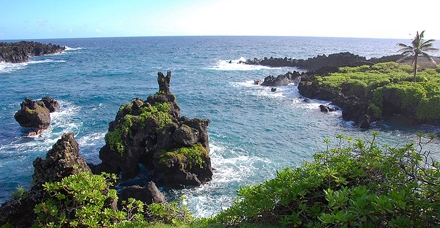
(40, 19)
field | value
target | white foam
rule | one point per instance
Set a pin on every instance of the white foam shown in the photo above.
(91, 139)
(232, 168)
(61, 122)
(237, 65)
(266, 91)
(11, 67)
(244, 84)
(46, 61)
(73, 49)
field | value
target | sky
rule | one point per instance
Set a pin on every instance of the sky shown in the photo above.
(46, 19)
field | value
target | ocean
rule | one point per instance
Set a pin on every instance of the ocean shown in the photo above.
(253, 132)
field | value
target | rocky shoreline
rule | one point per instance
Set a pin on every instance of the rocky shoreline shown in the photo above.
(320, 61)
(319, 65)
(151, 132)
(355, 107)
(19, 52)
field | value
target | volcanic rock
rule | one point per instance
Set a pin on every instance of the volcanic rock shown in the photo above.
(35, 114)
(148, 194)
(61, 161)
(151, 132)
(19, 52)
(281, 80)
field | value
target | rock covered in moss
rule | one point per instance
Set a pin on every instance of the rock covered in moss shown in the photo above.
(35, 114)
(148, 132)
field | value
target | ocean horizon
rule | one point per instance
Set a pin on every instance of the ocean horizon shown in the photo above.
(253, 132)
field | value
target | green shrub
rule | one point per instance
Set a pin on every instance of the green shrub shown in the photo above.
(85, 200)
(20, 193)
(429, 108)
(175, 213)
(79, 200)
(355, 184)
(159, 112)
(377, 112)
(357, 87)
(411, 93)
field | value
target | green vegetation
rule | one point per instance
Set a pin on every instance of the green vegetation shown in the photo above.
(420, 99)
(39, 109)
(159, 113)
(86, 200)
(194, 155)
(355, 183)
(418, 47)
(20, 193)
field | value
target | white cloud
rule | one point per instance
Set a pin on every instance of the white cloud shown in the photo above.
(345, 18)
(41, 22)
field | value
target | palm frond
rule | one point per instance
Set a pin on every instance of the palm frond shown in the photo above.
(403, 45)
(404, 51)
(427, 56)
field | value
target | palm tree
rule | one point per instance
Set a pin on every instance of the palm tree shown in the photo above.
(418, 48)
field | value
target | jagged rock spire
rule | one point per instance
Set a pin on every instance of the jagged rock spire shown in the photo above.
(164, 82)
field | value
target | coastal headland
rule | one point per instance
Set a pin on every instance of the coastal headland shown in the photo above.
(149, 133)
(19, 52)
(366, 90)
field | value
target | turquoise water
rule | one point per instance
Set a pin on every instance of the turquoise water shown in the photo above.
(253, 132)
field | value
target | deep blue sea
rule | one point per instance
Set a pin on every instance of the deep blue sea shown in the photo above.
(253, 132)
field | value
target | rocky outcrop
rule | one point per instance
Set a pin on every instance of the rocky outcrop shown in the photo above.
(51, 104)
(148, 194)
(152, 133)
(352, 101)
(316, 63)
(19, 52)
(326, 108)
(354, 107)
(35, 114)
(61, 161)
(282, 80)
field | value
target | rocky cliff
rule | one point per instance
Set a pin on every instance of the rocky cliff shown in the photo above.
(19, 52)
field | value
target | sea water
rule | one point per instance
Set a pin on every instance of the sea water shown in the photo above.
(253, 132)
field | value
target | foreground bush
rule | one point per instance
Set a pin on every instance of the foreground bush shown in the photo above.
(86, 200)
(356, 184)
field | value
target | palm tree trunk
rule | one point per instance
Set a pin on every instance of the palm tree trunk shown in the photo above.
(415, 67)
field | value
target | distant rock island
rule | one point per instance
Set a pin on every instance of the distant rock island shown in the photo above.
(19, 52)
(316, 63)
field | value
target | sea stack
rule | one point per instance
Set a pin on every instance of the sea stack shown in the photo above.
(151, 132)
